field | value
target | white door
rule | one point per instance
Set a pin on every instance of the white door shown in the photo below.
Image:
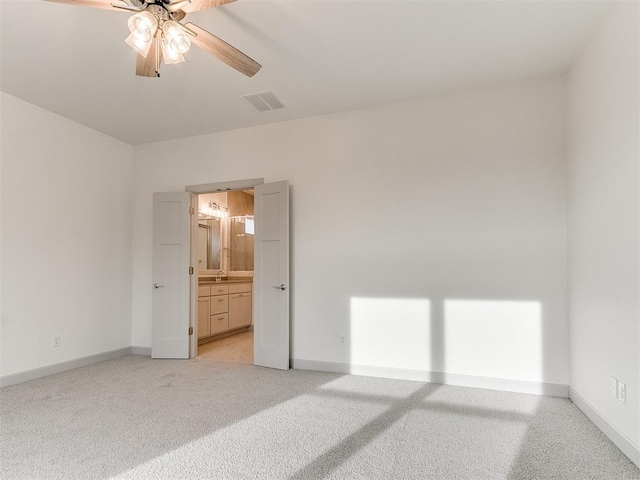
(171, 278)
(271, 276)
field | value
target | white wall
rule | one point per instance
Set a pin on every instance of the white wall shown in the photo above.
(432, 234)
(604, 215)
(66, 238)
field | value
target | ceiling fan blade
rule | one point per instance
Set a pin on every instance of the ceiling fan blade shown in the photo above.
(196, 5)
(105, 4)
(149, 66)
(223, 51)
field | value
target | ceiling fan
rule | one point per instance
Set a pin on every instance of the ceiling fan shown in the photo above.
(158, 35)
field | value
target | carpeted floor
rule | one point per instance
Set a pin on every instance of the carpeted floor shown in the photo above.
(134, 417)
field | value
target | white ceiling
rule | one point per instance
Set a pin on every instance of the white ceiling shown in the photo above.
(318, 56)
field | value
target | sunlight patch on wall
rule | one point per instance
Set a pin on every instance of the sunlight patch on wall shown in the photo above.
(391, 332)
(487, 338)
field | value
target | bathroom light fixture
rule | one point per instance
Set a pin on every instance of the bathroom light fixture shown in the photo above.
(215, 211)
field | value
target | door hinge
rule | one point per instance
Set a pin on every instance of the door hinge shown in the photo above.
(190, 270)
(190, 330)
(191, 210)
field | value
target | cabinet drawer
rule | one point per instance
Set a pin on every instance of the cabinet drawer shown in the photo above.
(239, 287)
(219, 304)
(219, 323)
(204, 291)
(219, 289)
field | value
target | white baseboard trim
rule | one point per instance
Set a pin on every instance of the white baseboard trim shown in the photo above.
(141, 351)
(20, 377)
(520, 386)
(624, 443)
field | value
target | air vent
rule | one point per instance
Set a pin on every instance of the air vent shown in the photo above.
(264, 101)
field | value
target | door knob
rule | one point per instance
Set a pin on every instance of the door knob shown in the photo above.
(157, 285)
(280, 287)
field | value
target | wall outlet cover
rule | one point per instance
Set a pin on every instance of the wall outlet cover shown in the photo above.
(622, 392)
(613, 388)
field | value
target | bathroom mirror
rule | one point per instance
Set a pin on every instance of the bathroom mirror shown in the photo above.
(209, 245)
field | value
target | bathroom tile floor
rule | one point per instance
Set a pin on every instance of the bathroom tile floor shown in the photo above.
(235, 349)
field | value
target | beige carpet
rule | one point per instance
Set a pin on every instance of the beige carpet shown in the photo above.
(139, 418)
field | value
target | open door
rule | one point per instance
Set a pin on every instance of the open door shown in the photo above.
(271, 275)
(171, 275)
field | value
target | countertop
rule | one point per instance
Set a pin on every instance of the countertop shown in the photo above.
(208, 281)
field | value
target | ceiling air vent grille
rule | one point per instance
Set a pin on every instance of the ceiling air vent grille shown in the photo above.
(264, 101)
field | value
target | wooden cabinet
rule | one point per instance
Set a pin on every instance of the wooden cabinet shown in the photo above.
(239, 310)
(204, 328)
(223, 308)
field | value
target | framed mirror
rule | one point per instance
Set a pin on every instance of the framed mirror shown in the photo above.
(209, 245)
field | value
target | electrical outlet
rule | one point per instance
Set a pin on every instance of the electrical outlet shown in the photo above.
(56, 341)
(342, 339)
(622, 392)
(613, 389)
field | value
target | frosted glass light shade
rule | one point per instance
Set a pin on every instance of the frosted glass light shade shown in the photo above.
(143, 26)
(177, 40)
(140, 46)
(169, 55)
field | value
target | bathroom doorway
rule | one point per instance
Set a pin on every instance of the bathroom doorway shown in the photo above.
(225, 265)
(243, 299)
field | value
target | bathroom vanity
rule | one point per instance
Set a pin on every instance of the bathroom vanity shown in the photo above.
(224, 308)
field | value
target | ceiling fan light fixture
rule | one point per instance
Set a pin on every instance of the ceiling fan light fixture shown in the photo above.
(143, 26)
(177, 39)
(157, 33)
(169, 55)
(140, 46)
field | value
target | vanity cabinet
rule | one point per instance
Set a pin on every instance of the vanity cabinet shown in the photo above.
(240, 306)
(204, 329)
(223, 308)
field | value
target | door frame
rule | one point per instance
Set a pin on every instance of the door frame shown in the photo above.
(195, 190)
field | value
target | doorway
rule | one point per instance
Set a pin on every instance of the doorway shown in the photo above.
(262, 301)
(225, 268)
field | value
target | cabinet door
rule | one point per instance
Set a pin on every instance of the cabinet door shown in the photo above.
(204, 328)
(240, 314)
(234, 311)
(246, 308)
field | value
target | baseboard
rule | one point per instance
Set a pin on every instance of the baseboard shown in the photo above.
(40, 372)
(624, 443)
(520, 386)
(141, 351)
